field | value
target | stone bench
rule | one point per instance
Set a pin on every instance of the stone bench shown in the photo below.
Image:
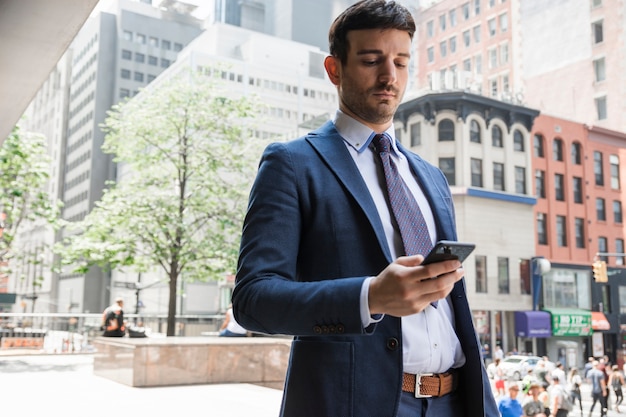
(166, 361)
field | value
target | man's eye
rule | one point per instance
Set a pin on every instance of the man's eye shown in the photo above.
(372, 62)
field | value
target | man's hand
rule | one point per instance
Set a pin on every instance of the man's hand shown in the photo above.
(405, 287)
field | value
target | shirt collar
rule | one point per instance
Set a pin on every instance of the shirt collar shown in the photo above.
(354, 132)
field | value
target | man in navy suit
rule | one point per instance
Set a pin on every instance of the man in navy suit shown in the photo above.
(321, 256)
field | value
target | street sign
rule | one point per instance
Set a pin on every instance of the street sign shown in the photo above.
(127, 285)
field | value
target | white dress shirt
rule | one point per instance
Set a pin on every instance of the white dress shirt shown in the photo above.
(429, 341)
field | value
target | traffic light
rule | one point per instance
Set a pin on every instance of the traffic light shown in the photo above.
(599, 271)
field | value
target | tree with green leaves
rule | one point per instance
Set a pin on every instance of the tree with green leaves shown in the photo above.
(186, 161)
(24, 202)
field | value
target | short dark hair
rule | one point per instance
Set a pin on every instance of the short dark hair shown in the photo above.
(367, 14)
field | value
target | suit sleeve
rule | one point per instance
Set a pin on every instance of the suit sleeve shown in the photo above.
(271, 295)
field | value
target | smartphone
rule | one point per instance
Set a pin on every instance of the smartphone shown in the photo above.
(446, 250)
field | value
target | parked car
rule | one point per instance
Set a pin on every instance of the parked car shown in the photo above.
(515, 367)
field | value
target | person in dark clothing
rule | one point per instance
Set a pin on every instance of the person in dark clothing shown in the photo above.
(113, 320)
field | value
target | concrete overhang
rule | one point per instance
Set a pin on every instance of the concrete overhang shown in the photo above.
(34, 34)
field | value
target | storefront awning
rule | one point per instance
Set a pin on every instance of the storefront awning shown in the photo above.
(532, 324)
(599, 321)
(570, 322)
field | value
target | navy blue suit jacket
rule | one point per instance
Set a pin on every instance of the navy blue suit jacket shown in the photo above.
(311, 236)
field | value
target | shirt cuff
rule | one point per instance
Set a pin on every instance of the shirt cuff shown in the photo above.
(367, 318)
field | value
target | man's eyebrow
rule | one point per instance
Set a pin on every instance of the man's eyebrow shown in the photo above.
(379, 52)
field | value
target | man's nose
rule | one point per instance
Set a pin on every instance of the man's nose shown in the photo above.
(388, 72)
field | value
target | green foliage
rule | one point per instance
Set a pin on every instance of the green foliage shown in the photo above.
(24, 166)
(185, 165)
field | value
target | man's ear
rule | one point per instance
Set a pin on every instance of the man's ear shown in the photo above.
(333, 69)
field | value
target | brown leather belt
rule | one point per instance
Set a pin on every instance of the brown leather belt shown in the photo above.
(430, 385)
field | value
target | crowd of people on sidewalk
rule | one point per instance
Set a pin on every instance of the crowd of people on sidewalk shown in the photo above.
(548, 390)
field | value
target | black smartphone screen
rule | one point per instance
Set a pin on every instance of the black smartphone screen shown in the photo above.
(446, 250)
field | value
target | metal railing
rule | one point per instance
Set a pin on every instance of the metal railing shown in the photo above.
(73, 333)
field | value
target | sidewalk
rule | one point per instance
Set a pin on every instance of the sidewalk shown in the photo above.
(64, 385)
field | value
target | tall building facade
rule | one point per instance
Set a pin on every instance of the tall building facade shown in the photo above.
(117, 52)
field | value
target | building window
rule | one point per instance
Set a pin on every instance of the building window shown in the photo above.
(619, 248)
(540, 183)
(603, 247)
(467, 65)
(466, 38)
(481, 274)
(477, 172)
(503, 275)
(476, 31)
(153, 60)
(140, 38)
(151, 78)
(447, 166)
(178, 47)
(597, 31)
(476, 7)
(542, 231)
(577, 188)
(596, 3)
(599, 69)
(140, 57)
(139, 76)
(125, 74)
(128, 35)
(491, 25)
(576, 153)
(520, 180)
(127, 54)
(452, 17)
(493, 58)
(494, 87)
(561, 231)
(431, 54)
(600, 209)
(538, 142)
(416, 134)
(601, 107)
(154, 41)
(496, 137)
(579, 226)
(518, 141)
(442, 22)
(474, 132)
(617, 211)
(165, 63)
(166, 45)
(446, 130)
(614, 161)
(597, 168)
(478, 64)
(504, 22)
(559, 192)
(498, 176)
(465, 11)
(557, 150)
(443, 48)
(124, 92)
(453, 44)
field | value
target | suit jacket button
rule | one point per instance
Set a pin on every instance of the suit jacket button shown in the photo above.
(317, 329)
(325, 329)
(332, 329)
(392, 343)
(340, 328)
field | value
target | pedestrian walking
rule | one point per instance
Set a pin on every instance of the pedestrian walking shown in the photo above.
(575, 381)
(509, 406)
(598, 388)
(616, 381)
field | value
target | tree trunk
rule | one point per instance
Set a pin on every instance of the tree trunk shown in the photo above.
(171, 311)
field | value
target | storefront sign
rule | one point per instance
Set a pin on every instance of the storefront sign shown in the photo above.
(570, 322)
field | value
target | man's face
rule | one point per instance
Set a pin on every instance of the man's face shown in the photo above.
(372, 81)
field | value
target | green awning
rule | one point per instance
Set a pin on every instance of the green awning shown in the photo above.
(570, 322)
(7, 298)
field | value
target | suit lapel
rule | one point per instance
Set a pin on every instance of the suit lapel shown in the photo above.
(332, 150)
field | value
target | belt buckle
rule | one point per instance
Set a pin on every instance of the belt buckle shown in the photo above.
(418, 385)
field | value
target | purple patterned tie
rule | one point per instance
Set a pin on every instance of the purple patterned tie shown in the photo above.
(411, 223)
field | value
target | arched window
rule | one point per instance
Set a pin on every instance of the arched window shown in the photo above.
(446, 130)
(518, 141)
(576, 153)
(475, 132)
(538, 143)
(496, 137)
(557, 149)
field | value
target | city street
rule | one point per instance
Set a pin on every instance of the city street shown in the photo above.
(62, 385)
